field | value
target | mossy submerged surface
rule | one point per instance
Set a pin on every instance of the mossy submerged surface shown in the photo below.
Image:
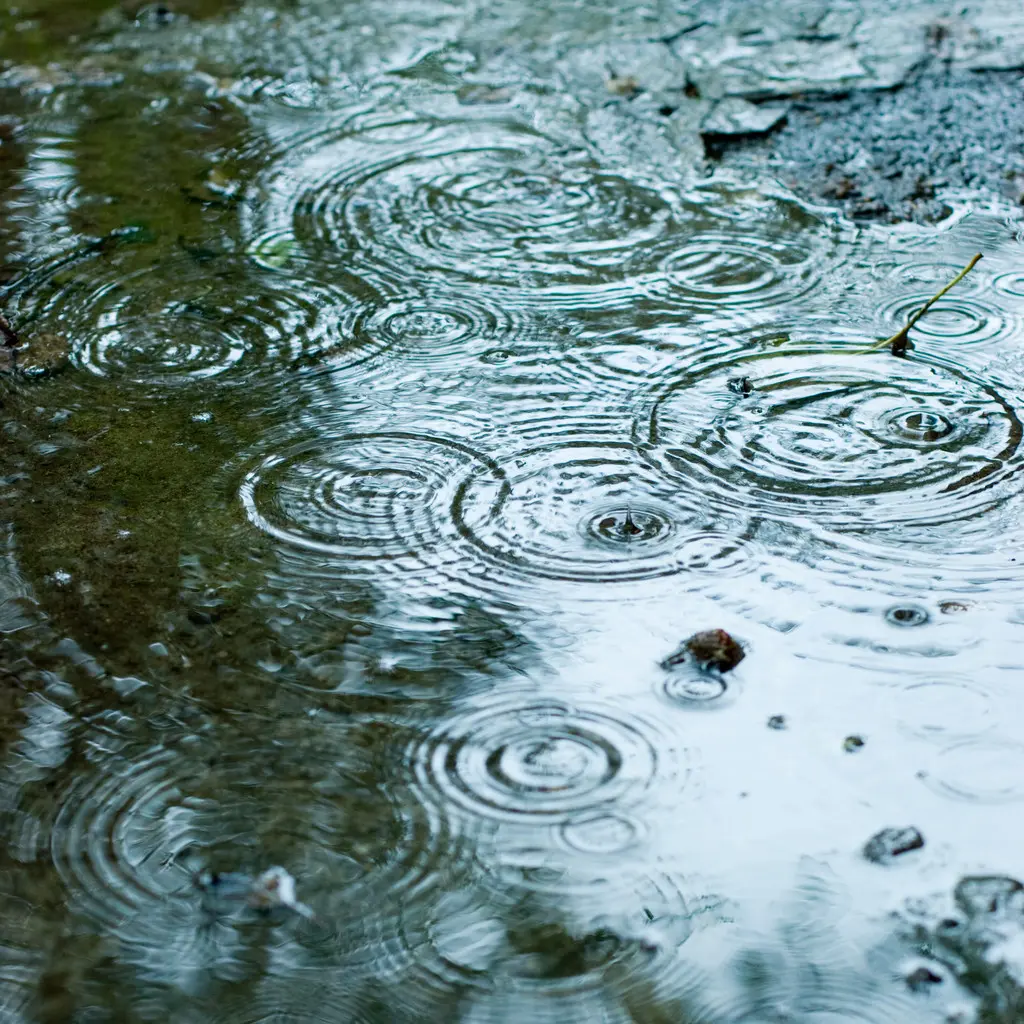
(374, 314)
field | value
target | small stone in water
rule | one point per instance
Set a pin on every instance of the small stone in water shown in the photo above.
(740, 385)
(922, 977)
(852, 744)
(623, 85)
(710, 648)
(890, 843)
(977, 895)
(777, 722)
(276, 888)
(734, 116)
(272, 889)
(45, 354)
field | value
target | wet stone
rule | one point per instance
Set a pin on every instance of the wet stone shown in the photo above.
(711, 649)
(922, 978)
(44, 355)
(271, 890)
(885, 846)
(740, 386)
(737, 117)
(981, 895)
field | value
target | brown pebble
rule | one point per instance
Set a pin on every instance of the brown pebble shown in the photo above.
(710, 648)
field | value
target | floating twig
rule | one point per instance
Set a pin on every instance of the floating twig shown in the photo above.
(900, 342)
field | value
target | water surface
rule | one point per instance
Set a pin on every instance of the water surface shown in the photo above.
(378, 438)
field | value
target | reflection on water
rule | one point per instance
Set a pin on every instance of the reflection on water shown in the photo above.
(402, 427)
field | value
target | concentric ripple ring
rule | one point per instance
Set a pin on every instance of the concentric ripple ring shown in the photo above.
(543, 761)
(581, 512)
(837, 438)
(374, 497)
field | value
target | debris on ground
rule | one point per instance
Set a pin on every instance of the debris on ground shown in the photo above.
(885, 846)
(953, 607)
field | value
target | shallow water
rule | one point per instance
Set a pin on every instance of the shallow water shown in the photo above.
(396, 443)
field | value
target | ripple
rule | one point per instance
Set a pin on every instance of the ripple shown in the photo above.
(488, 200)
(1011, 284)
(544, 762)
(610, 361)
(582, 512)
(944, 708)
(501, 931)
(967, 321)
(600, 835)
(484, 214)
(175, 322)
(116, 836)
(363, 498)
(477, 200)
(987, 771)
(716, 269)
(930, 276)
(749, 250)
(907, 615)
(839, 440)
(414, 649)
(695, 689)
(424, 328)
(128, 833)
(720, 554)
(812, 986)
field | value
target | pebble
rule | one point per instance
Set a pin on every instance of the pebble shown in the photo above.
(885, 846)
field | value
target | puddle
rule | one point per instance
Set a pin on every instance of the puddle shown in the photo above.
(406, 390)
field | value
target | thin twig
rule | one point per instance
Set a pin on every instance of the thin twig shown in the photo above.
(900, 341)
